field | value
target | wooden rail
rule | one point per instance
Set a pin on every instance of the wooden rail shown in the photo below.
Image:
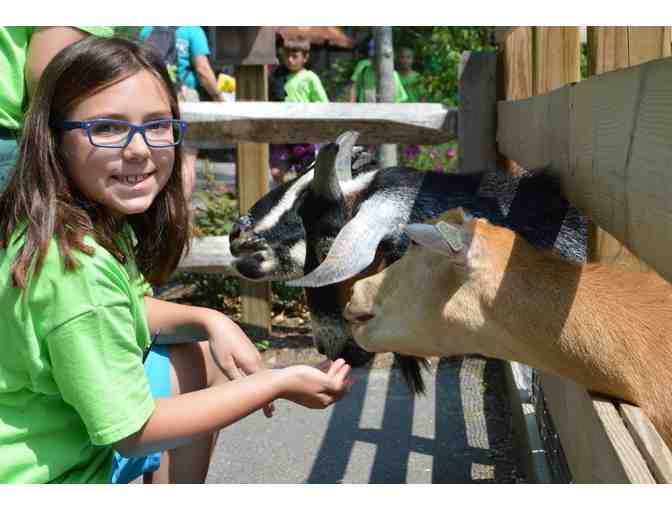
(608, 139)
(212, 125)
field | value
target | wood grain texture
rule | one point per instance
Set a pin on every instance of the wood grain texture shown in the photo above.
(609, 49)
(252, 175)
(515, 67)
(477, 112)
(608, 139)
(208, 255)
(557, 58)
(597, 445)
(654, 450)
(213, 125)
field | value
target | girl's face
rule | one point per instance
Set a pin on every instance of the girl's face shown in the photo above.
(125, 181)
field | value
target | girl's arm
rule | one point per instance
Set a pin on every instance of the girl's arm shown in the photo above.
(231, 349)
(177, 420)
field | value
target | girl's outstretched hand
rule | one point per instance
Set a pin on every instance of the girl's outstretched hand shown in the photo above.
(234, 353)
(317, 388)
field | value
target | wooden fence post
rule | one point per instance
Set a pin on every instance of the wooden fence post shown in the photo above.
(477, 121)
(252, 176)
(515, 65)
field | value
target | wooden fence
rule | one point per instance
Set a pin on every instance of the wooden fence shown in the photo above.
(608, 138)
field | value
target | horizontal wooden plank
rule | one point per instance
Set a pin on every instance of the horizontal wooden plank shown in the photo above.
(608, 139)
(597, 445)
(213, 124)
(650, 444)
(208, 255)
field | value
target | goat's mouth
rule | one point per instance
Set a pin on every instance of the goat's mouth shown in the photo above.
(354, 355)
(248, 246)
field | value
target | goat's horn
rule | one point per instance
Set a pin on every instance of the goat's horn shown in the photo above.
(355, 246)
(346, 142)
(325, 180)
(334, 165)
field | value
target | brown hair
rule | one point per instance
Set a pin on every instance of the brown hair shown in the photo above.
(300, 44)
(41, 194)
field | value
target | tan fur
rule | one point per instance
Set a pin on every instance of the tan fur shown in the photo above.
(608, 329)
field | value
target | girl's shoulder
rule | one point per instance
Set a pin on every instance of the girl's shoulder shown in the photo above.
(99, 265)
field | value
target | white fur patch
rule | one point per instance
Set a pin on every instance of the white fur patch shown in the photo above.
(285, 204)
(298, 253)
(287, 201)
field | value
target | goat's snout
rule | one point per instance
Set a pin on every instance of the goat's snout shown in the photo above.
(358, 310)
(357, 316)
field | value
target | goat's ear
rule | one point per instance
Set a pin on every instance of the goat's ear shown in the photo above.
(455, 216)
(444, 238)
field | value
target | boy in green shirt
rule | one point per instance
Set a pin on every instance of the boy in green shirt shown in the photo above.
(409, 78)
(301, 86)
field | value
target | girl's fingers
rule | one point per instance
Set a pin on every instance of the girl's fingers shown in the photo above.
(336, 366)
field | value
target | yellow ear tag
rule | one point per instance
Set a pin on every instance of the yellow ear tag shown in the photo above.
(451, 235)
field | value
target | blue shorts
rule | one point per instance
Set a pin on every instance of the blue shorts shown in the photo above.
(157, 368)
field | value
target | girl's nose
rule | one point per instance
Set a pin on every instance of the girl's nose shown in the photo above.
(137, 147)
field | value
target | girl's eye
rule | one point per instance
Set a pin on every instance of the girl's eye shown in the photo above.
(164, 125)
(108, 128)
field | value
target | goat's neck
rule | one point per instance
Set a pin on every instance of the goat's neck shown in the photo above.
(548, 308)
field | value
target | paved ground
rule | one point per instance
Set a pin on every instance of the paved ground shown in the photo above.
(459, 432)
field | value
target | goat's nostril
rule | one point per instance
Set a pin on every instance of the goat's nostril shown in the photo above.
(363, 317)
(357, 316)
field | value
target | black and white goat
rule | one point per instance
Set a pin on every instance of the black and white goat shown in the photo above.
(344, 220)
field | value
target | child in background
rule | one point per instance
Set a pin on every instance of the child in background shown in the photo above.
(410, 79)
(363, 82)
(94, 211)
(300, 86)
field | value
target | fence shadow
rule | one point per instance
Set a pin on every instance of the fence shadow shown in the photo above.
(472, 440)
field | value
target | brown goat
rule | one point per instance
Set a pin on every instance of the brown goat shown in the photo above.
(480, 288)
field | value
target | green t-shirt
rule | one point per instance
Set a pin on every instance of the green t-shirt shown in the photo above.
(71, 376)
(413, 86)
(305, 87)
(364, 78)
(13, 51)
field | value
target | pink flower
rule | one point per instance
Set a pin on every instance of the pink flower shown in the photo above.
(438, 167)
(411, 151)
(450, 153)
(434, 153)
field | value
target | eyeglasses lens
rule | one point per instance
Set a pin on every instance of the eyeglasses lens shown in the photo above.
(109, 133)
(160, 133)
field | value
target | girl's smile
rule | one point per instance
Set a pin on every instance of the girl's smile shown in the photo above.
(125, 180)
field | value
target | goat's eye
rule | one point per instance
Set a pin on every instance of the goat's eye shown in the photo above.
(413, 243)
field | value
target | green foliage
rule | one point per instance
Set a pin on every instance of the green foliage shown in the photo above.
(217, 209)
(437, 158)
(437, 55)
(336, 80)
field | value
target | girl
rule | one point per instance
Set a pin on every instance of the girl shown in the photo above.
(94, 211)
